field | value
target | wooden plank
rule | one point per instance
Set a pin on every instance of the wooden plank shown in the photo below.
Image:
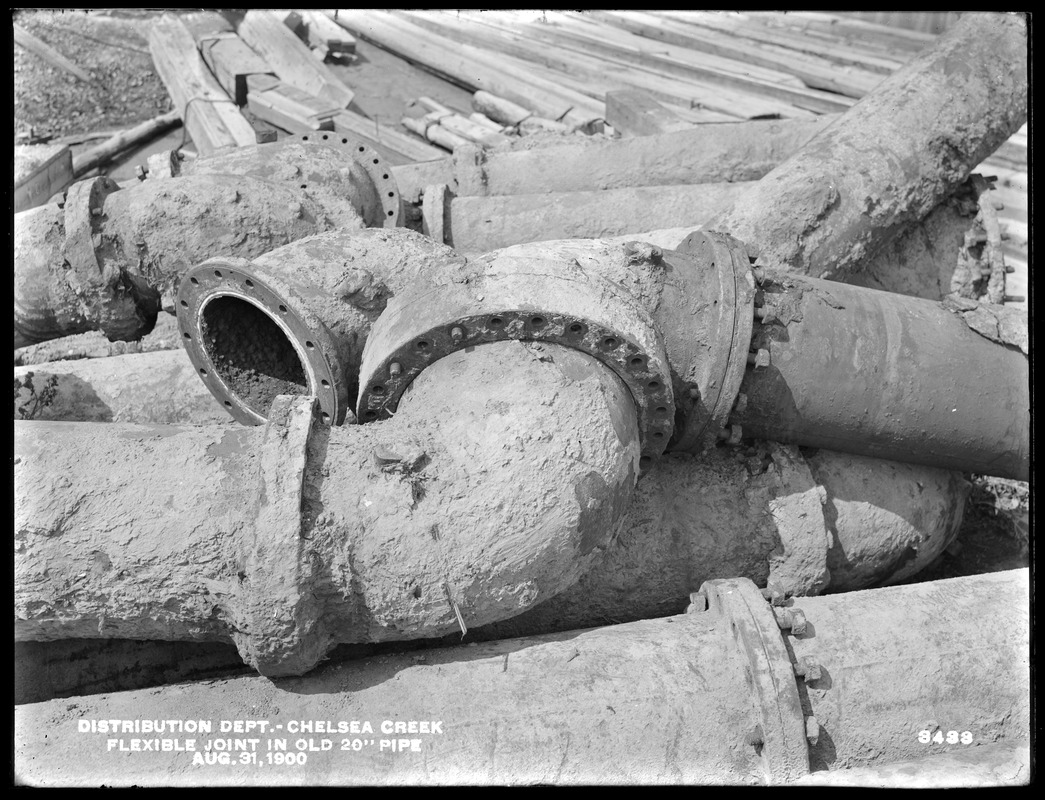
(742, 26)
(290, 59)
(472, 68)
(47, 53)
(594, 76)
(230, 59)
(323, 32)
(814, 71)
(288, 107)
(393, 145)
(679, 64)
(211, 117)
(634, 113)
(852, 29)
(109, 149)
(40, 171)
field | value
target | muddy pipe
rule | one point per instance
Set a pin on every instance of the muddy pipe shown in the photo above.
(108, 259)
(293, 537)
(743, 692)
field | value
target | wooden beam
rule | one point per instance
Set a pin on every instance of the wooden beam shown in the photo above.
(635, 113)
(395, 146)
(109, 149)
(48, 53)
(473, 68)
(291, 59)
(211, 117)
(288, 108)
(322, 32)
(40, 171)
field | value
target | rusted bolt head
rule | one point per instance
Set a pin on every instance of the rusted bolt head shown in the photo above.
(394, 368)
(807, 669)
(140, 172)
(456, 333)
(798, 622)
(761, 358)
(96, 212)
(755, 736)
(812, 730)
(698, 603)
(740, 406)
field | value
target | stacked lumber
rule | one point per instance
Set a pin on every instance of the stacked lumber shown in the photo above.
(326, 38)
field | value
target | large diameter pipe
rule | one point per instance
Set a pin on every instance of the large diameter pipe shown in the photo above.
(104, 261)
(895, 377)
(728, 152)
(576, 708)
(290, 538)
(480, 224)
(894, 155)
(145, 388)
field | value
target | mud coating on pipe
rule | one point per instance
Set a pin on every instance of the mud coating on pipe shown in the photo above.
(252, 355)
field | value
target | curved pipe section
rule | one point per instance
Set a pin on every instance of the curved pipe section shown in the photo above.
(127, 248)
(290, 538)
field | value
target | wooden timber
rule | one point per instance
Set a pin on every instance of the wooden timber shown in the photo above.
(25, 39)
(287, 107)
(107, 150)
(290, 59)
(211, 117)
(392, 144)
(40, 171)
(634, 113)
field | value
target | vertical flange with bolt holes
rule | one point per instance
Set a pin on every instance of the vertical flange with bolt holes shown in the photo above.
(543, 301)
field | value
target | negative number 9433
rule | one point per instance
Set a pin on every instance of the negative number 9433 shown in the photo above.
(951, 737)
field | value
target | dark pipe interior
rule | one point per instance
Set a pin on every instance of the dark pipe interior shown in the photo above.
(251, 353)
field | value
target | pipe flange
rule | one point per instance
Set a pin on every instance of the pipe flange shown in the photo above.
(782, 728)
(376, 167)
(278, 629)
(84, 202)
(569, 307)
(295, 330)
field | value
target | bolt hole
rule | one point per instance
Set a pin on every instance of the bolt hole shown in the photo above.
(658, 434)
(371, 413)
(344, 141)
(377, 160)
(378, 389)
(203, 371)
(249, 284)
(325, 417)
(385, 176)
(422, 344)
(310, 346)
(662, 409)
(184, 303)
(391, 213)
(187, 335)
(361, 148)
(609, 342)
(636, 361)
(326, 383)
(228, 404)
(537, 322)
(576, 328)
(217, 273)
(653, 385)
(325, 137)
(391, 194)
(496, 322)
(194, 281)
(304, 138)
(304, 186)
(282, 309)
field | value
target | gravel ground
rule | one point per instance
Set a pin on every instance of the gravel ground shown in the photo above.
(111, 46)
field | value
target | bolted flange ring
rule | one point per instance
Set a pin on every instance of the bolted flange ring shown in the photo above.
(518, 299)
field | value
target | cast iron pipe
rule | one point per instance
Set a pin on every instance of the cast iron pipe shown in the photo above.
(895, 377)
(107, 258)
(741, 693)
(290, 538)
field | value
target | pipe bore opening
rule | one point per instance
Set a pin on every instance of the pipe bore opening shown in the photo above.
(250, 352)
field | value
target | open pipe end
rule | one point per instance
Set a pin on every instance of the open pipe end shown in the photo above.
(251, 340)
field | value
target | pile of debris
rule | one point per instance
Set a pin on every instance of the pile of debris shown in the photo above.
(423, 396)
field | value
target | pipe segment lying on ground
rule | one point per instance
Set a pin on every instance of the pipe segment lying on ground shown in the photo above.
(106, 259)
(500, 480)
(893, 156)
(701, 298)
(742, 692)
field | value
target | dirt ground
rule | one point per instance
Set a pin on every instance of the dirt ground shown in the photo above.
(111, 45)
